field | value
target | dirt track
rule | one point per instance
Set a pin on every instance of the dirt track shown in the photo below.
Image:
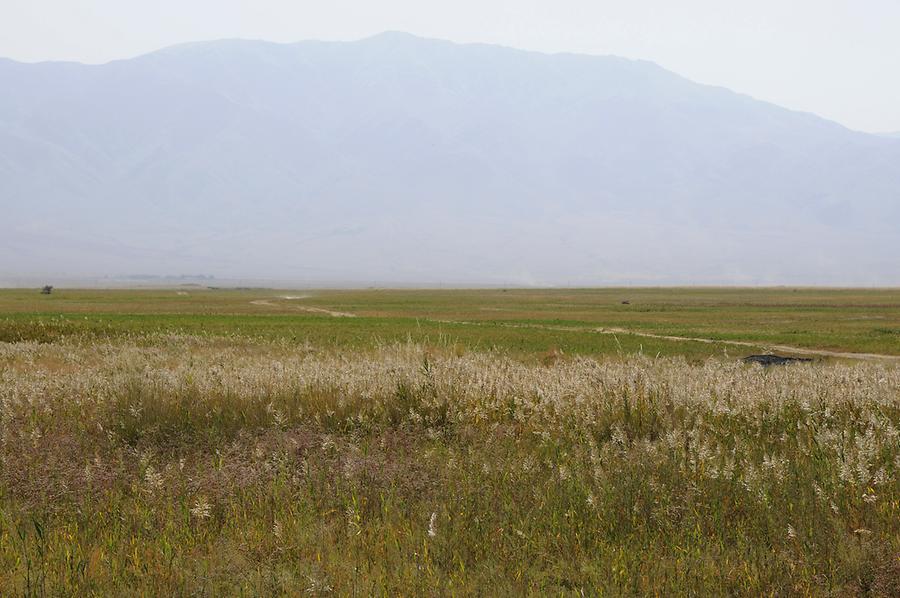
(692, 339)
(306, 308)
(780, 348)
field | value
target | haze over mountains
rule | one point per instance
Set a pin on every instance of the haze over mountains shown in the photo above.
(408, 160)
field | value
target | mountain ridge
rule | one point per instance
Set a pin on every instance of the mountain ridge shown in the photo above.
(402, 35)
(236, 156)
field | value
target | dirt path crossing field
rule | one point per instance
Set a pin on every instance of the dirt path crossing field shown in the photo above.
(601, 330)
(306, 308)
(692, 339)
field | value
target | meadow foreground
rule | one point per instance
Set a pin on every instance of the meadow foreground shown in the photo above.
(185, 465)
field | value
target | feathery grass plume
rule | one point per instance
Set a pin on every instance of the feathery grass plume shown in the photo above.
(432, 525)
(201, 509)
(586, 473)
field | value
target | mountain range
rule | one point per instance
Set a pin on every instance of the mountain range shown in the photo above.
(409, 160)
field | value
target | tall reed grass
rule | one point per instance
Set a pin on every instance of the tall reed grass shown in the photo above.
(178, 465)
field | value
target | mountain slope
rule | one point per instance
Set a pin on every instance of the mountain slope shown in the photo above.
(402, 159)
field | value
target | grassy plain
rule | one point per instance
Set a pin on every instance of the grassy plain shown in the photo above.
(522, 321)
(446, 443)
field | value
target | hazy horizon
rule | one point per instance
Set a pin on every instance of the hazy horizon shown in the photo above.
(478, 144)
(419, 161)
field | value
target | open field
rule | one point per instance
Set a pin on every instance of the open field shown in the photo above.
(447, 443)
(521, 321)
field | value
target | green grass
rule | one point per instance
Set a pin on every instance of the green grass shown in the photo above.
(356, 333)
(846, 320)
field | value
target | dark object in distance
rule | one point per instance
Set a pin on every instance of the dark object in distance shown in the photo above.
(47, 290)
(773, 359)
(626, 303)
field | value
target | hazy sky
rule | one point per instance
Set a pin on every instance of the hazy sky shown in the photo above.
(837, 58)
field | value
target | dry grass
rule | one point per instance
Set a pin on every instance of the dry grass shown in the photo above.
(172, 465)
